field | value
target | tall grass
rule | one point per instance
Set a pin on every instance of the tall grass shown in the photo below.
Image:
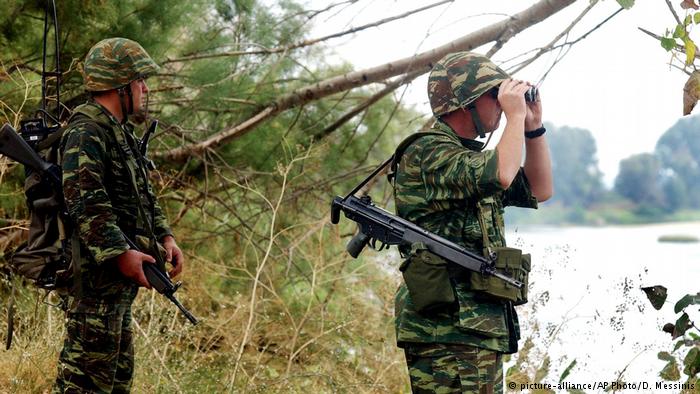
(283, 308)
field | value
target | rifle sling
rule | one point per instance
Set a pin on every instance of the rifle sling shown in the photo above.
(393, 160)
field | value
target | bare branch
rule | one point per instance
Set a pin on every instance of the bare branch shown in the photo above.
(569, 44)
(306, 42)
(373, 99)
(678, 47)
(422, 63)
(673, 11)
(556, 39)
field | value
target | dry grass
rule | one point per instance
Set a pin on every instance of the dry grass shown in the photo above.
(282, 306)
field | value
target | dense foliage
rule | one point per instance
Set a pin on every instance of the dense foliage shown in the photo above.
(266, 272)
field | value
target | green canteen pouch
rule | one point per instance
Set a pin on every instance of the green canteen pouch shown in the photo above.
(510, 262)
(427, 279)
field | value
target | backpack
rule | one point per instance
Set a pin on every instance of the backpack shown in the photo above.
(45, 257)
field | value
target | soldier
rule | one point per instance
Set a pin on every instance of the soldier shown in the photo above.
(101, 167)
(448, 185)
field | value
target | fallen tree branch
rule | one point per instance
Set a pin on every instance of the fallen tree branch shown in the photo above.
(422, 63)
(366, 104)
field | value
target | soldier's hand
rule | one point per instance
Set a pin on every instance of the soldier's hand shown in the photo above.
(511, 97)
(130, 264)
(173, 255)
(533, 119)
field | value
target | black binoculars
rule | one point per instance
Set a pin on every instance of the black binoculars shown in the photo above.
(530, 95)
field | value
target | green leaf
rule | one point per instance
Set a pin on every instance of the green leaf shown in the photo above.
(567, 371)
(689, 51)
(668, 43)
(679, 31)
(689, 299)
(626, 4)
(694, 335)
(666, 356)
(670, 371)
(681, 326)
(696, 17)
(656, 295)
(692, 362)
(688, 19)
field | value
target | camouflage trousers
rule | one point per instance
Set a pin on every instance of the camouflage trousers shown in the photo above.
(98, 352)
(440, 368)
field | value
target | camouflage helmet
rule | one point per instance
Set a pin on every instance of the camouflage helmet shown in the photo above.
(115, 62)
(459, 78)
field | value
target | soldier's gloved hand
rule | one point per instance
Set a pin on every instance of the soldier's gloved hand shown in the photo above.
(511, 97)
(130, 264)
(173, 255)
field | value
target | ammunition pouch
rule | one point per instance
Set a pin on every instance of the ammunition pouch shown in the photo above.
(510, 262)
(427, 280)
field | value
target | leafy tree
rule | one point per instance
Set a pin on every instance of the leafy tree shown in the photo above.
(639, 180)
(578, 180)
(678, 150)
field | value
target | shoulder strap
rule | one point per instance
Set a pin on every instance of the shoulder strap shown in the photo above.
(398, 153)
(394, 159)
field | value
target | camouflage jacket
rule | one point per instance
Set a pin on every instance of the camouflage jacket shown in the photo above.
(100, 198)
(440, 183)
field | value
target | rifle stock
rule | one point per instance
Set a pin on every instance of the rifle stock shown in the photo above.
(16, 148)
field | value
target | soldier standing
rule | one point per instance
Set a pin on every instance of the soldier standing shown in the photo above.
(448, 185)
(101, 167)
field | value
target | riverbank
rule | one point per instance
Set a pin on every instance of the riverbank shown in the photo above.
(599, 215)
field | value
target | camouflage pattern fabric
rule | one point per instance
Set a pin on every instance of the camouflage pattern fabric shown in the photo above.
(439, 181)
(99, 195)
(102, 205)
(98, 351)
(443, 369)
(115, 62)
(460, 78)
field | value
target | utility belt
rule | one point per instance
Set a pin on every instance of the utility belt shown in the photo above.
(431, 280)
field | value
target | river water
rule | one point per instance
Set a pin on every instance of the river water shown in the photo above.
(586, 303)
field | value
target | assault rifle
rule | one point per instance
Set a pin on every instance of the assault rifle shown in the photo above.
(377, 224)
(15, 147)
(161, 282)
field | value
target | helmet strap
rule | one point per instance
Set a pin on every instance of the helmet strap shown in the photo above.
(477, 120)
(145, 110)
(125, 91)
(488, 140)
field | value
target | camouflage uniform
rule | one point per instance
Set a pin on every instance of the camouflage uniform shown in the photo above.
(441, 182)
(98, 353)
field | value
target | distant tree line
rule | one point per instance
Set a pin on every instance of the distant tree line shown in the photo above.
(651, 184)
